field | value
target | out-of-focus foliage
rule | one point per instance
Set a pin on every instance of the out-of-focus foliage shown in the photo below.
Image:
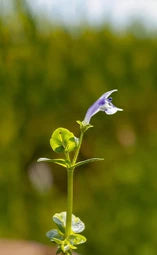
(49, 79)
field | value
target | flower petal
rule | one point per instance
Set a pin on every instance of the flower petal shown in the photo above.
(112, 110)
(91, 111)
(107, 94)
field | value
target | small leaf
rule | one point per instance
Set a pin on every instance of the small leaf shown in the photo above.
(60, 220)
(77, 225)
(87, 161)
(62, 140)
(65, 246)
(84, 127)
(79, 122)
(76, 239)
(57, 241)
(55, 236)
(72, 246)
(61, 162)
(52, 233)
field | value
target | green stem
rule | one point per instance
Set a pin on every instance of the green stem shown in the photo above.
(67, 156)
(69, 202)
(70, 173)
(78, 148)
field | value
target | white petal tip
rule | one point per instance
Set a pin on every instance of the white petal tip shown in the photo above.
(112, 110)
(113, 90)
(108, 93)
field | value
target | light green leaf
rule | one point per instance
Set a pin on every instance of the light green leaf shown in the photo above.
(76, 239)
(65, 247)
(87, 161)
(77, 225)
(83, 126)
(57, 241)
(62, 140)
(61, 162)
(55, 236)
(72, 246)
(60, 220)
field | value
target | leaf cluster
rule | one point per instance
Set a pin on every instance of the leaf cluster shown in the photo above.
(57, 236)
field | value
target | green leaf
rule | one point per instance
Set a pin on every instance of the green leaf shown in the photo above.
(83, 126)
(65, 247)
(76, 239)
(77, 225)
(61, 162)
(87, 161)
(72, 246)
(57, 241)
(60, 220)
(62, 140)
(55, 236)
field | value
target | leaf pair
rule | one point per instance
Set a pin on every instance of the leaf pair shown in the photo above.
(66, 163)
(61, 162)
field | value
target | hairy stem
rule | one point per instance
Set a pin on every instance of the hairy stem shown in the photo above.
(70, 173)
(69, 202)
(78, 148)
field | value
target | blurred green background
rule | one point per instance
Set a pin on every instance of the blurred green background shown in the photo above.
(49, 76)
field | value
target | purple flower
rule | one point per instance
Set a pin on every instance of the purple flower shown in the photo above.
(104, 103)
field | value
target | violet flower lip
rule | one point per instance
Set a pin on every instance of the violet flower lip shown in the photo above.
(104, 103)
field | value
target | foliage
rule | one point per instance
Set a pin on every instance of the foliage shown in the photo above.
(58, 235)
(62, 140)
(50, 77)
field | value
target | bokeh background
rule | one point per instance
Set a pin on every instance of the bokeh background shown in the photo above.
(50, 73)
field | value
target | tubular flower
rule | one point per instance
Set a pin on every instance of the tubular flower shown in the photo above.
(104, 103)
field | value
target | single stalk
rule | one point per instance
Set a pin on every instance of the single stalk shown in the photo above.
(67, 156)
(78, 148)
(69, 201)
(70, 173)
